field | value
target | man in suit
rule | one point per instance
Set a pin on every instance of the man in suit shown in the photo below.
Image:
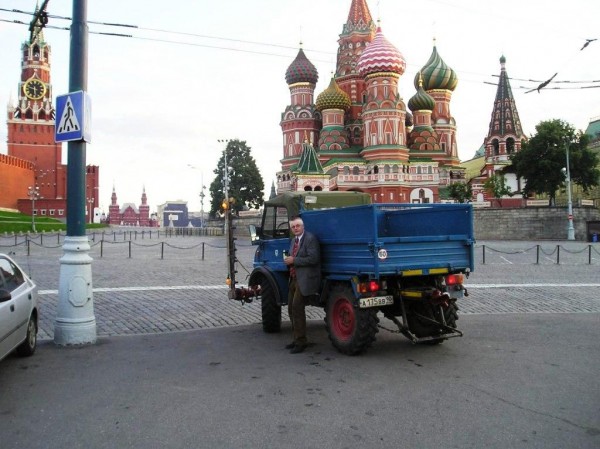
(304, 262)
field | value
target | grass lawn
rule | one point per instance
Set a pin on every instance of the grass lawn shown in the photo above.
(14, 222)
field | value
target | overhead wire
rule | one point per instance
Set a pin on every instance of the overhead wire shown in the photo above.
(543, 84)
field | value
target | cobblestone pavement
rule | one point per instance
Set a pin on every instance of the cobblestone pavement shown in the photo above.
(178, 283)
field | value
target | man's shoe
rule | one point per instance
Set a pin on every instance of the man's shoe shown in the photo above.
(290, 345)
(298, 349)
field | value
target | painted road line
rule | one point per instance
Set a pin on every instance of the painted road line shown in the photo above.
(223, 287)
(152, 288)
(529, 285)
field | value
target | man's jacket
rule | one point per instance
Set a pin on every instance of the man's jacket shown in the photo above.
(307, 263)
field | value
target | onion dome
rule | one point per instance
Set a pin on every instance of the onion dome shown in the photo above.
(381, 56)
(421, 101)
(436, 74)
(333, 98)
(301, 70)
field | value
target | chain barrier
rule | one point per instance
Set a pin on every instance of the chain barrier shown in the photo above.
(29, 239)
(99, 239)
(539, 249)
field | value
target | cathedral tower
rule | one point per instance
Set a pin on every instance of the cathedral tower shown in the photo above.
(357, 34)
(439, 81)
(383, 112)
(300, 117)
(505, 133)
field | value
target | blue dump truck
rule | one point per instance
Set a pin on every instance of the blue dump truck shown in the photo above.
(402, 262)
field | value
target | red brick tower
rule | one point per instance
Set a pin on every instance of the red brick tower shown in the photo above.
(144, 218)
(114, 214)
(31, 124)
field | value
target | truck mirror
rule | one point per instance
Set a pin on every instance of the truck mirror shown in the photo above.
(254, 231)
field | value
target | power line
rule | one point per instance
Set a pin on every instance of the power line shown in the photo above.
(265, 53)
(158, 30)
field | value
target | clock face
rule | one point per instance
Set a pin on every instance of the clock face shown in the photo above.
(34, 89)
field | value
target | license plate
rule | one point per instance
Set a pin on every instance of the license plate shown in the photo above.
(376, 301)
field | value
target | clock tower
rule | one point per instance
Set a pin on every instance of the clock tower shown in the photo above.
(31, 121)
(30, 142)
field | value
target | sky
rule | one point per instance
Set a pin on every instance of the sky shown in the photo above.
(198, 71)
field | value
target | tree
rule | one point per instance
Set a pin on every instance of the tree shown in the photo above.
(246, 185)
(460, 192)
(543, 157)
(496, 187)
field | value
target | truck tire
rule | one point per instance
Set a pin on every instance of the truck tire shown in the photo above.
(351, 330)
(424, 328)
(271, 311)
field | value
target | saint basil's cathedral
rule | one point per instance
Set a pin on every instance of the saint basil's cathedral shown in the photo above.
(359, 136)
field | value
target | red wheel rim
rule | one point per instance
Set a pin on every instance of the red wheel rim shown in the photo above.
(343, 319)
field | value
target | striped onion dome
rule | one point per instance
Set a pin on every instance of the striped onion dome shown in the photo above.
(421, 101)
(437, 74)
(381, 56)
(333, 98)
(301, 70)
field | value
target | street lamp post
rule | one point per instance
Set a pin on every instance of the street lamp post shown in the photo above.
(202, 195)
(571, 229)
(228, 228)
(91, 203)
(33, 192)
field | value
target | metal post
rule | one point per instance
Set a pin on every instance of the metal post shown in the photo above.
(228, 230)
(571, 229)
(202, 195)
(75, 321)
(33, 192)
(90, 201)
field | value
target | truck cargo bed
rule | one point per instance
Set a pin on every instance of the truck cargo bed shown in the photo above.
(382, 239)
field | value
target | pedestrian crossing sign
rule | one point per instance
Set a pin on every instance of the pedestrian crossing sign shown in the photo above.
(73, 117)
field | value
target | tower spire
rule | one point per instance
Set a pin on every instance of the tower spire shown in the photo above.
(505, 117)
(359, 17)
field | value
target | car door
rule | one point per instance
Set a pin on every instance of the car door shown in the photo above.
(6, 328)
(14, 313)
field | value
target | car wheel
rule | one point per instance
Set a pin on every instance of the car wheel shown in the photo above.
(27, 348)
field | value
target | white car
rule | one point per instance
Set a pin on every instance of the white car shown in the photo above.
(18, 310)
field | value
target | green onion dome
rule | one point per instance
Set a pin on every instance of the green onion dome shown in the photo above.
(301, 70)
(333, 98)
(421, 101)
(436, 74)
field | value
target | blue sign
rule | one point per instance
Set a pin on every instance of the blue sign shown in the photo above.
(74, 114)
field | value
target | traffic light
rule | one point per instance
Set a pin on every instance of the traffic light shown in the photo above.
(227, 204)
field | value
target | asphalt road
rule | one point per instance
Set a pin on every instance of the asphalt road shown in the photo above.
(525, 375)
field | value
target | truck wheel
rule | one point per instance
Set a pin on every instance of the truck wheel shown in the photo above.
(271, 311)
(351, 330)
(424, 328)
